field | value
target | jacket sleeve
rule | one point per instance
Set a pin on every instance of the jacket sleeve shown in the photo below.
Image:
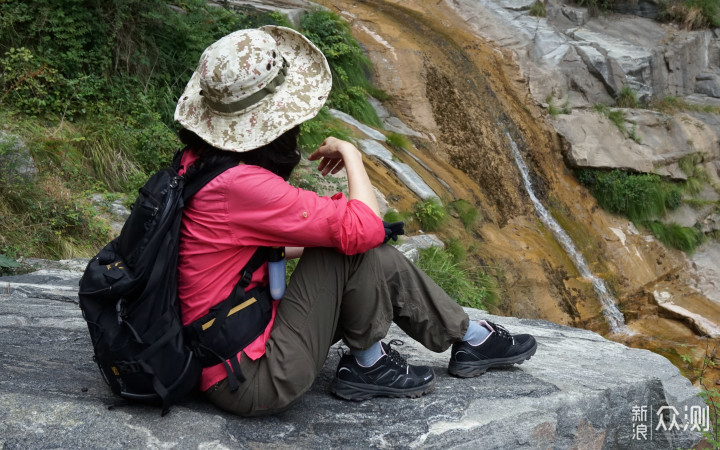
(263, 209)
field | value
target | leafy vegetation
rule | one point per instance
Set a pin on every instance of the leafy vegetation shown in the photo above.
(639, 197)
(91, 87)
(468, 286)
(349, 66)
(643, 198)
(430, 214)
(8, 265)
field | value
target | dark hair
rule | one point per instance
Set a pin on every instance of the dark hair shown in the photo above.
(279, 156)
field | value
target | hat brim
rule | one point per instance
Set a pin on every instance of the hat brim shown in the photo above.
(299, 98)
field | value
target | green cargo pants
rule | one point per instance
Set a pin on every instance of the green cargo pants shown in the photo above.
(331, 297)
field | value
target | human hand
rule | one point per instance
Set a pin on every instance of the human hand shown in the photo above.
(332, 153)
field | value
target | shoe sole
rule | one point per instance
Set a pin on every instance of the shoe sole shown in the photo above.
(359, 391)
(475, 368)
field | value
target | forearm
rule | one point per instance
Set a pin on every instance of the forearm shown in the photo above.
(359, 185)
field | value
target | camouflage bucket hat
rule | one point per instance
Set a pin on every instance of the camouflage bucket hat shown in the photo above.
(251, 86)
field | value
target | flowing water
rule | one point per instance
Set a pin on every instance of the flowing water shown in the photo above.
(612, 314)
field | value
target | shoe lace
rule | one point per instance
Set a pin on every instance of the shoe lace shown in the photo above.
(501, 331)
(394, 355)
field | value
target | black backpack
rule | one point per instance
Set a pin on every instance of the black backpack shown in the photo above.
(128, 296)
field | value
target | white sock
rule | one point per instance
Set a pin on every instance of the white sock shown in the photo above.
(477, 333)
(370, 356)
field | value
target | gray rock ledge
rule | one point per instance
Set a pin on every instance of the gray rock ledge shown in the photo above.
(577, 391)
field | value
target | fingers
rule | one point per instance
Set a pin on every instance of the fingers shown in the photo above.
(330, 156)
(330, 165)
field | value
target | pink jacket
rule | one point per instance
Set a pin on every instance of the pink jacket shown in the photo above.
(246, 207)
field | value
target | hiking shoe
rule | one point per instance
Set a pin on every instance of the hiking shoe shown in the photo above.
(390, 376)
(499, 349)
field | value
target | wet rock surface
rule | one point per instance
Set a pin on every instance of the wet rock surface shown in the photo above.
(577, 391)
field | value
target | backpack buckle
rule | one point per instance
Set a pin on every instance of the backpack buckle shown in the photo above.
(120, 311)
(245, 278)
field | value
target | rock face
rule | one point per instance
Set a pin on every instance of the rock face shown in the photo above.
(579, 390)
(573, 57)
(593, 141)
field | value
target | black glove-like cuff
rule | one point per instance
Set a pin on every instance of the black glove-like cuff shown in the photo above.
(393, 230)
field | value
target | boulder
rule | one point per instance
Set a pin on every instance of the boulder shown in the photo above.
(617, 61)
(593, 141)
(580, 390)
(708, 84)
(15, 159)
(410, 246)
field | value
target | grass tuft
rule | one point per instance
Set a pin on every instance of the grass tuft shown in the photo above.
(467, 212)
(627, 98)
(399, 140)
(538, 9)
(468, 286)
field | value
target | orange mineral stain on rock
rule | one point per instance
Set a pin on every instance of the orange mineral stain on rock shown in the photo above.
(464, 94)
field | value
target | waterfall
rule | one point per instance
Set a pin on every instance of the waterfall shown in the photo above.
(610, 310)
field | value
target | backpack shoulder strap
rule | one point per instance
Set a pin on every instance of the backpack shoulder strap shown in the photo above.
(199, 180)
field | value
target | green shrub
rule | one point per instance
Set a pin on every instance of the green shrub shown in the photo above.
(471, 288)
(642, 198)
(468, 213)
(538, 9)
(349, 66)
(101, 80)
(430, 214)
(637, 196)
(8, 266)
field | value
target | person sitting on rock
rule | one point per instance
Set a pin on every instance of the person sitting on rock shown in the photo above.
(247, 98)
